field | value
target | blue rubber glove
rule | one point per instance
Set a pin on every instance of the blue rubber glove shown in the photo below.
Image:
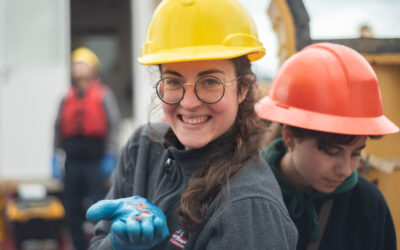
(136, 222)
(108, 164)
(57, 168)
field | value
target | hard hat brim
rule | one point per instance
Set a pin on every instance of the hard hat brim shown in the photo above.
(201, 53)
(273, 111)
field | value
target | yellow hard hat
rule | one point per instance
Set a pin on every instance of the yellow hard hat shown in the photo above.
(86, 56)
(191, 30)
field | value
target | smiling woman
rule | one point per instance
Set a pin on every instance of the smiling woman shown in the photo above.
(204, 183)
(193, 121)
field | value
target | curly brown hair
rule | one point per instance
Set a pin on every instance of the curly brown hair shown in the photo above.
(245, 141)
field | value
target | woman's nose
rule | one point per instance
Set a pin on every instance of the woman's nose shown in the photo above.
(190, 99)
(344, 167)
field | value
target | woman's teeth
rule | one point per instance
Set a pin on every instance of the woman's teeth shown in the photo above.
(194, 121)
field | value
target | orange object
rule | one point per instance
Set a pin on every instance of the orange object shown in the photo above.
(84, 116)
(330, 88)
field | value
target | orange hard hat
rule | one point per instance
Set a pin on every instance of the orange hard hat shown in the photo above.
(329, 88)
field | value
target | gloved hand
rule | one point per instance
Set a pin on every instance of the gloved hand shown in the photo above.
(108, 164)
(57, 165)
(137, 223)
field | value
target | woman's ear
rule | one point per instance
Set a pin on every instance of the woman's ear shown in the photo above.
(287, 136)
(243, 94)
(243, 91)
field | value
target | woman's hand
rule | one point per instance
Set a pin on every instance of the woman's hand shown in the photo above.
(137, 223)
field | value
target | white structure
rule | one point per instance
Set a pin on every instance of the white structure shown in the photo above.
(34, 74)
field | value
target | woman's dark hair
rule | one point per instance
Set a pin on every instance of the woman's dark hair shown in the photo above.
(247, 136)
(326, 140)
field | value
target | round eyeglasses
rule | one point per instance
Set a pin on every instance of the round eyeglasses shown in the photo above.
(208, 89)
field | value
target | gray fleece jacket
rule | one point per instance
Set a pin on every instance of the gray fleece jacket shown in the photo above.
(249, 214)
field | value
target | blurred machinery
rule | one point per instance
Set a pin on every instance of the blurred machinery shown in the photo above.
(33, 218)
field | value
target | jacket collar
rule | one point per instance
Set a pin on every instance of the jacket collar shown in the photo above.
(190, 159)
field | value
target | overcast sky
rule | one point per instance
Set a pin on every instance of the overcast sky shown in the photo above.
(328, 19)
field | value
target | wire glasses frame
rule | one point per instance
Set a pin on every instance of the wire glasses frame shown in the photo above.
(208, 89)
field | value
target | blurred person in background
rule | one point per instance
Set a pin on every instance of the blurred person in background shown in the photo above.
(85, 141)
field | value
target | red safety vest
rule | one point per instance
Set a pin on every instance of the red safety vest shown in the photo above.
(84, 115)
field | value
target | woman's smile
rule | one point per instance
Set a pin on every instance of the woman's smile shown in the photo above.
(194, 119)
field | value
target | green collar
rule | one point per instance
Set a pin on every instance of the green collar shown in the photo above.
(301, 203)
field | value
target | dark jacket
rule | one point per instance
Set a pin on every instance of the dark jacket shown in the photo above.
(250, 215)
